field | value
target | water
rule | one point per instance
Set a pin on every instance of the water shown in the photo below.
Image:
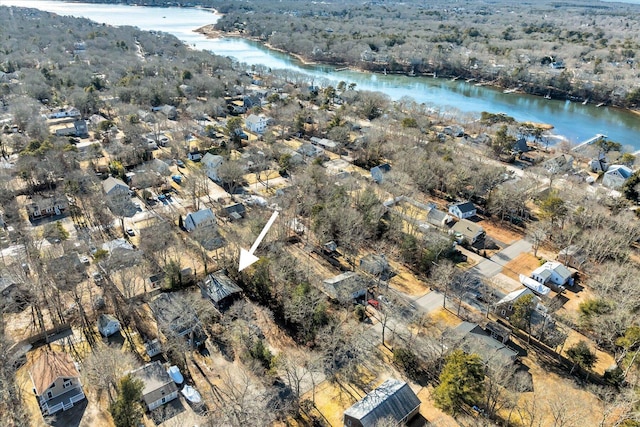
(574, 121)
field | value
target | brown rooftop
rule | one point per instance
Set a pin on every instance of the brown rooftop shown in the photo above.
(49, 366)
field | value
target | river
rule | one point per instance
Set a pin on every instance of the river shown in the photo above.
(573, 121)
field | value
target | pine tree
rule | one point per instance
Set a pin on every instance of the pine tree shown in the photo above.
(461, 381)
(126, 410)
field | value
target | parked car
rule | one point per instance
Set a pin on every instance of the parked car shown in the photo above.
(180, 163)
(384, 300)
(130, 232)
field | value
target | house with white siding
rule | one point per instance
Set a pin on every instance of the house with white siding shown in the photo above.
(158, 388)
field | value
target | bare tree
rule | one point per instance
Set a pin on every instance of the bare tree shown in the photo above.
(104, 367)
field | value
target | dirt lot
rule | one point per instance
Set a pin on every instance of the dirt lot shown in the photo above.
(500, 232)
(553, 393)
(574, 297)
(431, 413)
(523, 264)
(331, 401)
(405, 281)
(604, 361)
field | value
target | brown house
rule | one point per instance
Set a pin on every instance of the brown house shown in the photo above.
(56, 382)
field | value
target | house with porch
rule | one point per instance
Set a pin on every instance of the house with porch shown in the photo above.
(56, 382)
(211, 164)
(108, 325)
(256, 124)
(46, 206)
(118, 196)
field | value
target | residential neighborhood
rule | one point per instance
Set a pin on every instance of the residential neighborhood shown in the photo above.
(405, 272)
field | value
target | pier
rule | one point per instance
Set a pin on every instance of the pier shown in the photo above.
(590, 141)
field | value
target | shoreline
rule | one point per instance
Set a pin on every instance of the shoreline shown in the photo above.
(212, 33)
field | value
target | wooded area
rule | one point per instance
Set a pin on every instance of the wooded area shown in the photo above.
(286, 350)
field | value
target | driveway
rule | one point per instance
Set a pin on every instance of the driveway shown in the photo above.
(432, 301)
(491, 267)
(511, 252)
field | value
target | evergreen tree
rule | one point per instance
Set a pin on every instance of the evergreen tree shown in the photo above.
(461, 382)
(127, 410)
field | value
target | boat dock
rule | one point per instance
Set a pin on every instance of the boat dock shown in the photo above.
(590, 141)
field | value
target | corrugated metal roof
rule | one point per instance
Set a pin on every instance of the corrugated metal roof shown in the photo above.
(393, 398)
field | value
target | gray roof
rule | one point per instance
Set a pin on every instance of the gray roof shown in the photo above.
(467, 228)
(203, 215)
(219, 286)
(343, 286)
(157, 382)
(475, 339)
(235, 208)
(436, 216)
(105, 319)
(374, 264)
(515, 295)
(393, 398)
(112, 183)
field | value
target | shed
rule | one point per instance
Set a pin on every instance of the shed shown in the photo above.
(392, 399)
(378, 172)
(235, 211)
(375, 264)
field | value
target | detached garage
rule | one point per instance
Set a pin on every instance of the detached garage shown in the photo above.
(392, 399)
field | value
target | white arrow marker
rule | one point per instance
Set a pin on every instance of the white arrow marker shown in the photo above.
(247, 257)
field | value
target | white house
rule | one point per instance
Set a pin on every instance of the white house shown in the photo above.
(64, 112)
(552, 272)
(463, 210)
(257, 124)
(56, 382)
(108, 325)
(616, 176)
(199, 220)
(211, 164)
(158, 388)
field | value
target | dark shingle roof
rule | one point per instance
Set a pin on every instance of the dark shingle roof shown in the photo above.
(465, 207)
(393, 398)
(219, 286)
